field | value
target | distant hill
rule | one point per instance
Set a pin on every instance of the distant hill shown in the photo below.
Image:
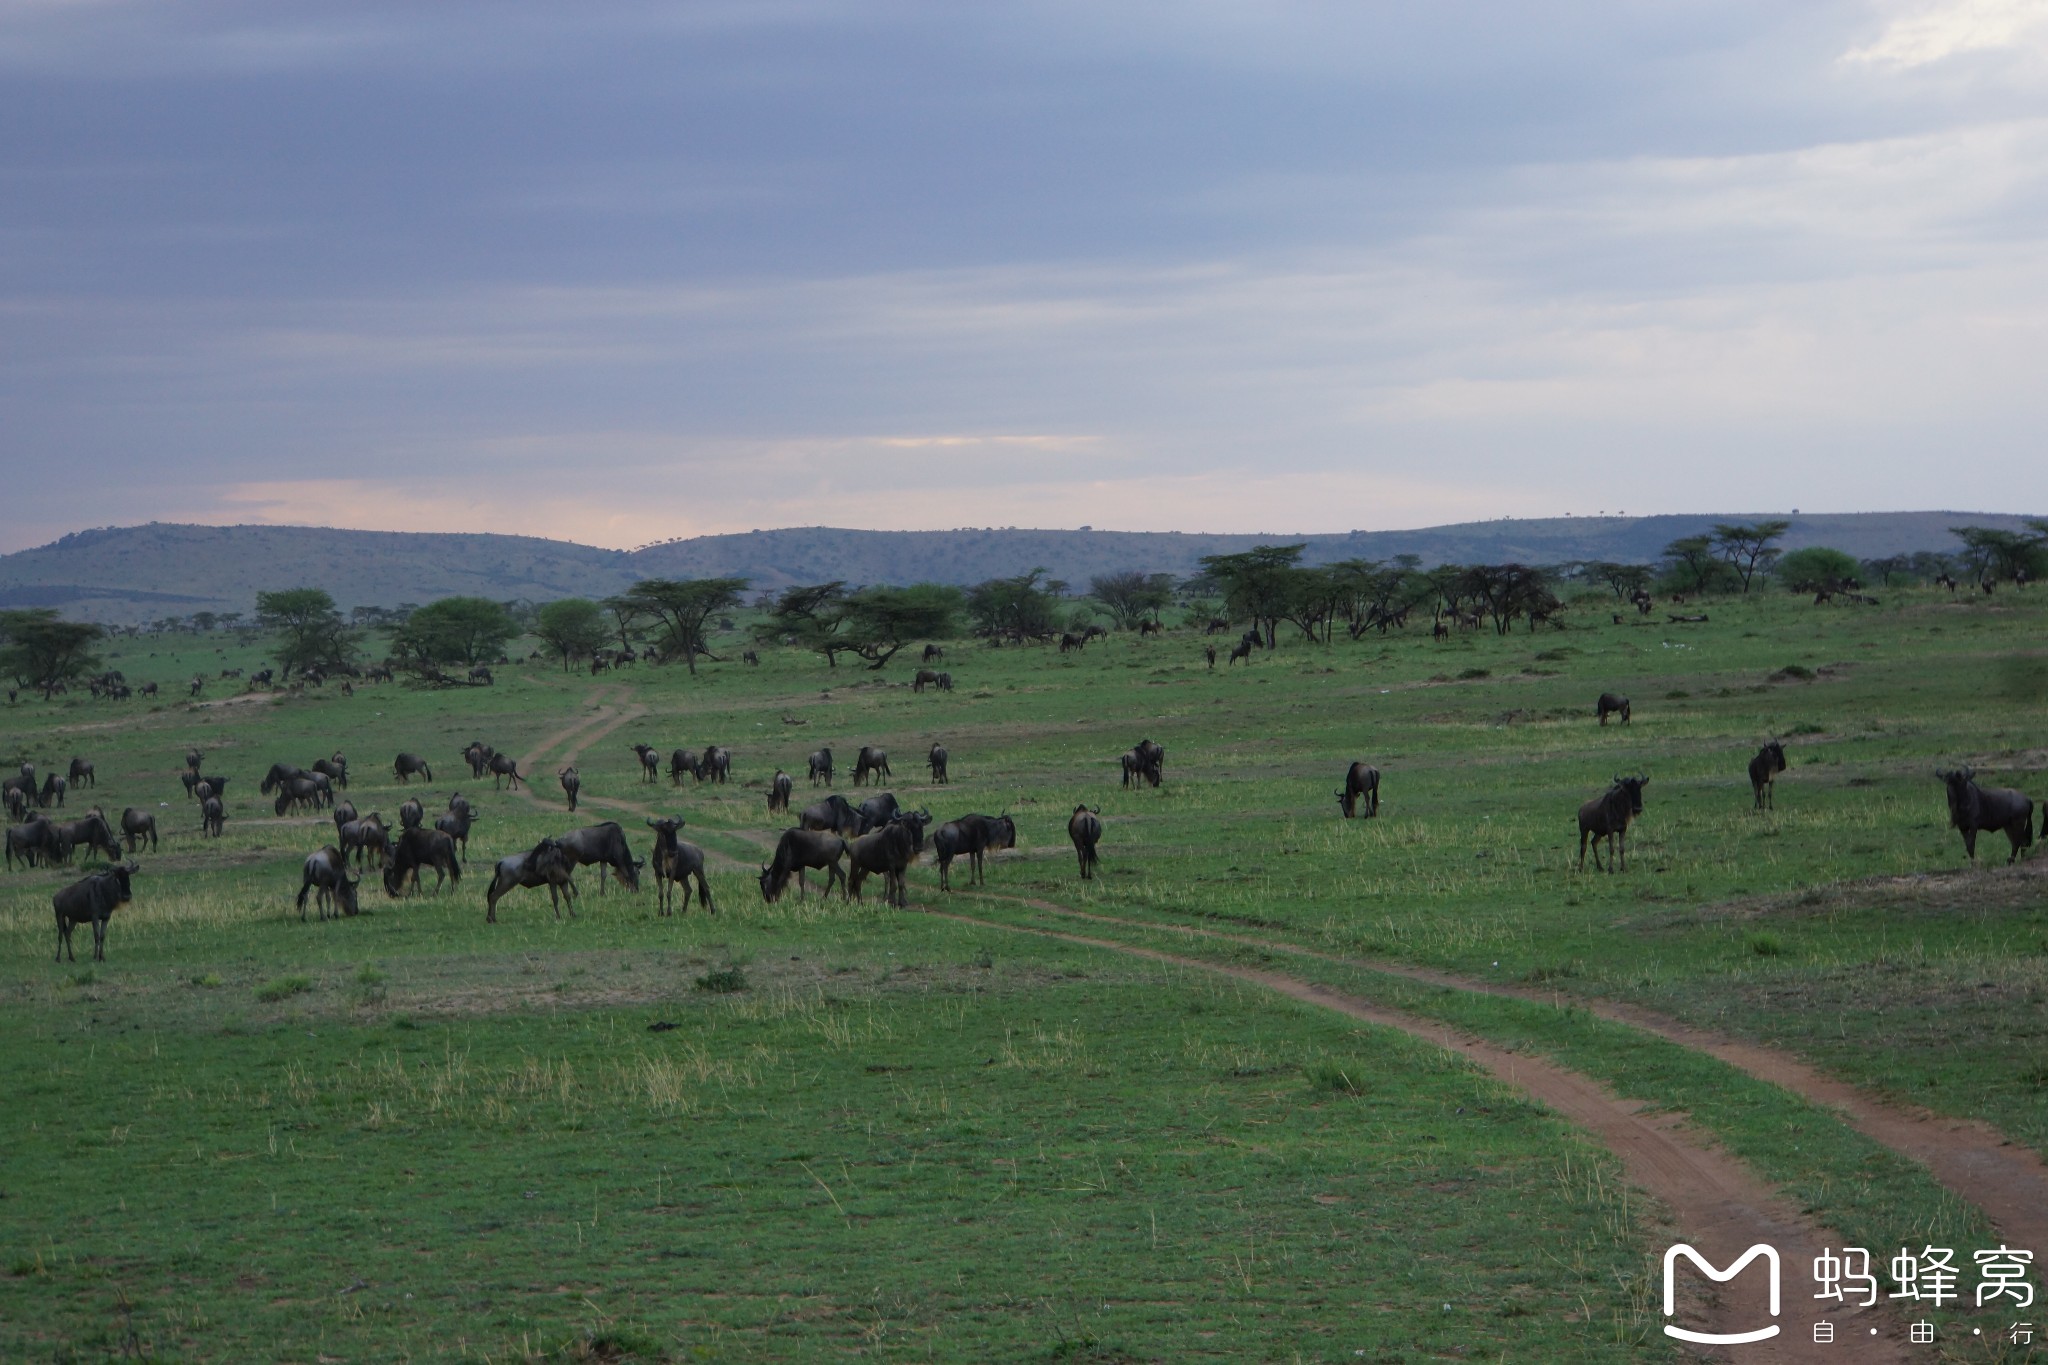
(140, 573)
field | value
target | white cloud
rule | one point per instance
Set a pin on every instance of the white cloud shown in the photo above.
(1929, 33)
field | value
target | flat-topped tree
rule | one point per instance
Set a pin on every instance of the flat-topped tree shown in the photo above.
(573, 627)
(40, 650)
(454, 630)
(1748, 547)
(310, 631)
(682, 605)
(871, 623)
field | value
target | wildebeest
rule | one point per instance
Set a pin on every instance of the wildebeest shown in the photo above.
(821, 766)
(411, 814)
(213, 817)
(33, 843)
(572, 782)
(1608, 816)
(677, 861)
(937, 760)
(605, 847)
(1209, 652)
(877, 810)
(192, 759)
(94, 899)
(1084, 827)
(503, 767)
(1611, 705)
(933, 653)
(751, 659)
(478, 755)
(834, 813)
(778, 793)
(889, 851)
(925, 678)
(366, 837)
(481, 676)
(1763, 774)
(455, 824)
(192, 777)
(405, 765)
(81, 774)
(971, 836)
(414, 849)
(680, 762)
(1069, 640)
(872, 762)
(797, 850)
(1361, 779)
(90, 832)
(1145, 761)
(137, 825)
(53, 791)
(716, 765)
(546, 864)
(334, 769)
(1241, 650)
(343, 812)
(279, 773)
(327, 873)
(300, 792)
(1972, 809)
(650, 762)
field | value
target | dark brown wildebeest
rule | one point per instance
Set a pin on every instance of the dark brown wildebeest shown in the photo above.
(873, 763)
(545, 864)
(797, 850)
(879, 810)
(406, 765)
(455, 824)
(147, 689)
(971, 836)
(1069, 640)
(680, 762)
(605, 848)
(821, 766)
(334, 769)
(925, 678)
(279, 774)
(327, 873)
(1608, 816)
(137, 825)
(90, 832)
(572, 782)
(505, 768)
(751, 659)
(1146, 762)
(213, 817)
(889, 851)
(478, 756)
(932, 654)
(198, 685)
(716, 765)
(650, 762)
(53, 791)
(834, 813)
(1241, 650)
(945, 682)
(364, 838)
(1763, 774)
(344, 811)
(1611, 705)
(192, 777)
(1084, 827)
(1360, 779)
(479, 676)
(33, 843)
(1972, 809)
(91, 900)
(192, 760)
(81, 774)
(1149, 628)
(414, 849)
(676, 861)
(778, 793)
(412, 814)
(297, 793)
(16, 801)
(1217, 625)
(937, 760)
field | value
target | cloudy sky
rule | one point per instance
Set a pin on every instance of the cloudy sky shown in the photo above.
(621, 272)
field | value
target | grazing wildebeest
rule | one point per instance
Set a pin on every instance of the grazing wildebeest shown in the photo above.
(872, 762)
(937, 760)
(364, 838)
(1361, 779)
(650, 762)
(300, 792)
(478, 756)
(33, 842)
(834, 814)
(925, 678)
(778, 793)
(1972, 808)
(81, 773)
(481, 676)
(572, 782)
(604, 846)
(821, 766)
(1084, 827)
(137, 825)
(213, 817)
(414, 849)
(334, 769)
(1146, 628)
(278, 774)
(93, 899)
(504, 767)
(932, 653)
(1241, 650)
(1148, 762)
(90, 832)
(797, 850)
(1069, 640)
(1611, 705)
(676, 860)
(1608, 816)
(971, 836)
(405, 765)
(716, 765)
(545, 864)
(889, 850)
(327, 873)
(1763, 774)
(680, 762)
(455, 824)
(411, 815)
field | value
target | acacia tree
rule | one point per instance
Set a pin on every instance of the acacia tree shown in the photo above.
(40, 650)
(1013, 605)
(682, 605)
(1692, 561)
(573, 627)
(1130, 596)
(872, 623)
(1817, 569)
(454, 630)
(311, 633)
(1261, 583)
(1989, 552)
(1625, 579)
(1748, 547)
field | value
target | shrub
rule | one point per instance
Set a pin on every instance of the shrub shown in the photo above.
(724, 981)
(284, 988)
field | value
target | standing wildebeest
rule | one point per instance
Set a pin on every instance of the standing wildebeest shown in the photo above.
(877, 810)
(301, 792)
(1084, 827)
(327, 872)
(279, 774)
(81, 772)
(925, 677)
(414, 849)
(650, 762)
(192, 777)
(477, 754)
(778, 793)
(932, 653)
(192, 758)
(676, 860)
(505, 767)
(680, 762)
(751, 659)
(1361, 779)
(136, 825)
(572, 782)
(1145, 762)
(834, 814)
(545, 864)
(799, 849)
(366, 837)
(1209, 652)
(716, 765)
(605, 846)
(971, 836)
(334, 769)
(873, 763)
(1972, 808)
(405, 765)
(343, 812)
(821, 766)
(481, 676)
(455, 824)
(937, 760)
(945, 682)
(213, 817)
(1242, 650)
(1607, 816)
(53, 791)
(34, 843)
(411, 815)
(1611, 705)
(91, 832)
(889, 850)
(93, 899)
(1763, 774)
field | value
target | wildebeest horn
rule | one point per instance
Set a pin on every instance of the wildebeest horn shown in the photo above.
(650, 822)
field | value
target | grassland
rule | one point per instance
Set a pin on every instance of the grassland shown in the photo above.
(410, 1134)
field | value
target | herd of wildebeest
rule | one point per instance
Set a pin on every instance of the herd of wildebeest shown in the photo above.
(875, 838)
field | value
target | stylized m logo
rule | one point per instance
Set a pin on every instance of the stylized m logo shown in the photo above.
(1768, 1252)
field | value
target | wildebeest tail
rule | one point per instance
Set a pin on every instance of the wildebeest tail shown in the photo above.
(303, 889)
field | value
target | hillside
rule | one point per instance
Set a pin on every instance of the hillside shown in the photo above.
(139, 573)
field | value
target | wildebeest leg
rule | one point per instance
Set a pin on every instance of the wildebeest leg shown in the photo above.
(64, 938)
